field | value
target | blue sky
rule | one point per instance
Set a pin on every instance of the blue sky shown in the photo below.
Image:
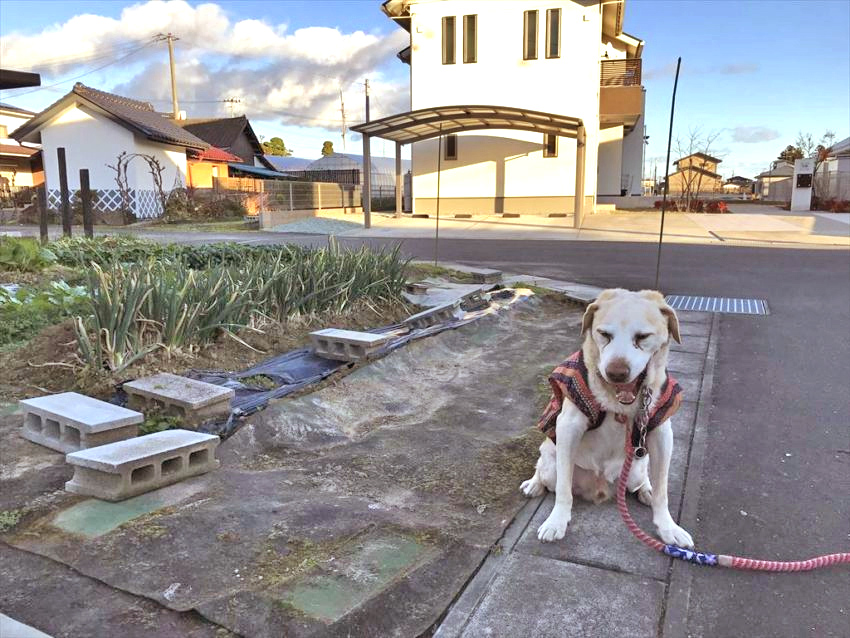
(756, 72)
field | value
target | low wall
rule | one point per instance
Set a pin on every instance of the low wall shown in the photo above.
(625, 203)
(272, 218)
(542, 206)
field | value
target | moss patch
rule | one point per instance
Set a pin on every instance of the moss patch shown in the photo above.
(8, 519)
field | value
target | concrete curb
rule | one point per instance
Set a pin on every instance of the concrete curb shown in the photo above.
(674, 622)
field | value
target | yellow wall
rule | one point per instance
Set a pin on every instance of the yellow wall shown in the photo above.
(200, 174)
(703, 184)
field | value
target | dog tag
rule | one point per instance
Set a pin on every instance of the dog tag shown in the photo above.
(640, 452)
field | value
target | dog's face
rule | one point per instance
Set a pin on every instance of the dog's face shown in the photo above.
(627, 328)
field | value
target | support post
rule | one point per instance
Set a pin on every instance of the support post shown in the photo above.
(581, 152)
(85, 198)
(63, 192)
(366, 187)
(399, 185)
(42, 213)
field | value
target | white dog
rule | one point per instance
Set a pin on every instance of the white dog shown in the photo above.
(625, 349)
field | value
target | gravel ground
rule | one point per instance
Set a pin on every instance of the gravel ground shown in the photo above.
(318, 225)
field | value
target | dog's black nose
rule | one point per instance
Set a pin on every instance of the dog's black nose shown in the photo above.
(618, 371)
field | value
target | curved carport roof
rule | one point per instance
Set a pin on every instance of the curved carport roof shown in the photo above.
(424, 124)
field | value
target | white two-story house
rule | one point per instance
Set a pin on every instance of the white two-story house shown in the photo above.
(563, 57)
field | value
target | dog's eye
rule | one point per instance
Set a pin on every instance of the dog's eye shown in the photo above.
(605, 335)
(641, 337)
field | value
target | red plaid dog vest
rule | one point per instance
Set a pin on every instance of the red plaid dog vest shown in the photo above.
(570, 380)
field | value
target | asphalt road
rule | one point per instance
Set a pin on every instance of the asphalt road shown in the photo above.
(776, 474)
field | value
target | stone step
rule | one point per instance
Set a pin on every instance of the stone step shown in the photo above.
(432, 316)
(194, 402)
(347, 345)
(120, 470)
(68, 422)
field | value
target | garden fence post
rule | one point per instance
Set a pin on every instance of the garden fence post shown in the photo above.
(41, 193)
(63, 193)
(85, 197)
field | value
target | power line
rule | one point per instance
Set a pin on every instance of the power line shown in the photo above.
(77, 77)
(84, 58)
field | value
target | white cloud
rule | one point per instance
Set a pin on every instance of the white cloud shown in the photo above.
(753, 134)
(289, 77)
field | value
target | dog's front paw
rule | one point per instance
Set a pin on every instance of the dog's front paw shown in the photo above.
(672, 534)
(532, 487)
(554, 527)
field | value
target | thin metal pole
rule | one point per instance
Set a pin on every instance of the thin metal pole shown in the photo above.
(439, 168)
(666, 176)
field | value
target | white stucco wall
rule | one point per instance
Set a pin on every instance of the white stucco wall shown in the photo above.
(632, 165)
(90, 141)
(11, 122)
(610, 160)
(568, 85)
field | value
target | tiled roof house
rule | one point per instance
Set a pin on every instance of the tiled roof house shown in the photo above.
(95, 127)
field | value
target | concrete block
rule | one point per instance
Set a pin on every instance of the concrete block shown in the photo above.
(347, 345)
(432, 316)
(192, 401)
(68, 422)
(484, 275)
(120, 470)
(418, 288)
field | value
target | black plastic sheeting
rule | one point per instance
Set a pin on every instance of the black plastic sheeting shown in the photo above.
(297, 369)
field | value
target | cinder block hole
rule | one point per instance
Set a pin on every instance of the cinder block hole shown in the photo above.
(142, 474)
(323, 344)
(178, 410)
(51, 428)
(339, 347)
(198, 457)
(358, 350)
(172, 466)
(32, 422)
(156, 404)
(71, 436)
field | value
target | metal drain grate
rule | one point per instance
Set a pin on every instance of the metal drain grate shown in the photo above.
(719, 304)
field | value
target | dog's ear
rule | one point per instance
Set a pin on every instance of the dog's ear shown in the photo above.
(587, 320)
(672, 320)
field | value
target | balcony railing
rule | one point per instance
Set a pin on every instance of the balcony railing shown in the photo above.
(620, 72)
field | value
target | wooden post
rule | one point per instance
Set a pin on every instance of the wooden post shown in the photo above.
(399, 186)
(63, 193)
(85, 198)
(42, 213)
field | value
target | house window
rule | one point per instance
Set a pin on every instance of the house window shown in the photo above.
(470, 39)
(553, 33)
(4, 132)
(449, 40)
(215, 171)
(451, 147)
(529, 35)
(550, 145)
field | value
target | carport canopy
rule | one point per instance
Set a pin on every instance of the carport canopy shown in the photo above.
(428, 123)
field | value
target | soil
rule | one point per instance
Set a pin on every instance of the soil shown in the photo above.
(48, 363)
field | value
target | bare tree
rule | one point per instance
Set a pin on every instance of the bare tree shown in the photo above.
(692, 180)
(817, 150)
(123, 182)
(156, 170)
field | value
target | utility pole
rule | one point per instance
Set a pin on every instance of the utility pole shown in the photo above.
(231, 101)
(367, 171)
(170, 38)
(342, 109)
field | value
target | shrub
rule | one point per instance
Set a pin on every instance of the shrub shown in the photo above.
(223, 208)
(716, 207)
(24, 255)
(28, 311)
(671, 205)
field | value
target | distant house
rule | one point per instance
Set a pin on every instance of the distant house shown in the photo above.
(231, 134)
(19, 165)
(738, 185)
(774, 185)
(347, 168)
(205, 165)
(94, 127)
(833, 178)
(697, 174)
